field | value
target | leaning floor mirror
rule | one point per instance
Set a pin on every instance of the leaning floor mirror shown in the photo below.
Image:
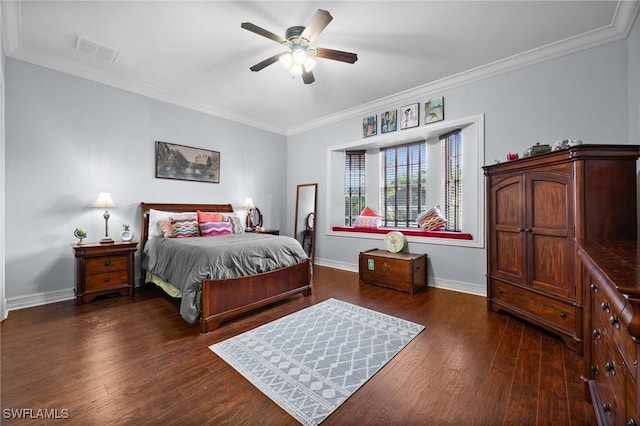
(305, 230)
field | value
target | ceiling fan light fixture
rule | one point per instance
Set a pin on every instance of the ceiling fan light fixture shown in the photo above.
(286, 60)
(299, 55)
(310, 63)
(296, 69)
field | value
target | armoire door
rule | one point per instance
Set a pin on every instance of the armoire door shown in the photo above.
(549, 230)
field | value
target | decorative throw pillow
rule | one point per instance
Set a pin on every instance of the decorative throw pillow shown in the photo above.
(211, 229)
(155, 216)
(210, 217)
(367, 218)
(185, 228)
(165, 224)
(236, 223)
(432, 220)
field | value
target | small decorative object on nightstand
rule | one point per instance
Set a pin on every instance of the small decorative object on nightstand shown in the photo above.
(80, 234)
(104, 269)
(126, 234)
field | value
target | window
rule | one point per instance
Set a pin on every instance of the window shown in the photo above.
(431, 174)
(354, 185)
(403, 184)
(452, 179)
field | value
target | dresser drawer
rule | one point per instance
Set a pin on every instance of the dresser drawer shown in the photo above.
(106, 280)
(97, 265)
(559, 314)
(627, 347)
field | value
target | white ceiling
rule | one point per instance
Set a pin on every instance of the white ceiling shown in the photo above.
(196, 55)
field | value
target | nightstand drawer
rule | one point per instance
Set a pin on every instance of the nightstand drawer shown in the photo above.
(106, 280)
(103, 264)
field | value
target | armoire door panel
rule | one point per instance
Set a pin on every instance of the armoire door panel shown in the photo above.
(549, 204)
(552, 265)
(510, 261)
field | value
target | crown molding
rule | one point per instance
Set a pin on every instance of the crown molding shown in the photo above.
(620, 27)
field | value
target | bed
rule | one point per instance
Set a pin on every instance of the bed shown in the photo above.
(222, 299)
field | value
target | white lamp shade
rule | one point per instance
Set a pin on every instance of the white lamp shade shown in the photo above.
(104, 201)
(248, 203)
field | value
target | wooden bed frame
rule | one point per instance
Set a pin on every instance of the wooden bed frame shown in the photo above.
(224, 299)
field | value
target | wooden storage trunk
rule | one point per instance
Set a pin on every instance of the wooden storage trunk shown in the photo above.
(401, 271)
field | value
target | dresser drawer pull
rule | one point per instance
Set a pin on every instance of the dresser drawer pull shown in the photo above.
(499, 290)
(631, 422)
(563, 315)
(605, 307)
(606, 407)
(594, 369)
(106, 280)
(597, 333)
(594, 288)
(107, 263)
(614, 321)
(610, 367)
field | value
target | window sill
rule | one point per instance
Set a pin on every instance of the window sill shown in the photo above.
(407, 232)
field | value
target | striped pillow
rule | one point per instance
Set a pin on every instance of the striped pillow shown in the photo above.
(432, 220)
(236, 223)
(211, 229)
(184, 228)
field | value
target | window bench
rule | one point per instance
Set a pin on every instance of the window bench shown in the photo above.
(407, 232)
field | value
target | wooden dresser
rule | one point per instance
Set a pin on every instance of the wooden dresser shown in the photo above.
(611, 281)
(536, 208)
(103, 269)
(401, 271)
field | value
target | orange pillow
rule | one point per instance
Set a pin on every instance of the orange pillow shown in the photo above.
(368, 212)
(210, 217)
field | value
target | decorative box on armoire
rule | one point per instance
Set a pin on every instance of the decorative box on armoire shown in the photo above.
(536, 209)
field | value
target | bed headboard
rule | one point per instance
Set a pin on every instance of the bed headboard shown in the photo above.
(178, 208)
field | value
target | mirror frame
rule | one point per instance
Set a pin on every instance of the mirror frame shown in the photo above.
(303, 216)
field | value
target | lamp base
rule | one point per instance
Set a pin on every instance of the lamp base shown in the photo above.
(106, 240)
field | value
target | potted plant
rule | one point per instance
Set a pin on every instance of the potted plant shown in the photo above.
(126, 234)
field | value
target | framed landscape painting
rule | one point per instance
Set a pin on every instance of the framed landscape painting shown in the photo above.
(187, 163)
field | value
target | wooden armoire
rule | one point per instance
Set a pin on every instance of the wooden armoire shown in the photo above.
(537, 207)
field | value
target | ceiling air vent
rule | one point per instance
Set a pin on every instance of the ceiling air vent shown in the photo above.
(90, 47)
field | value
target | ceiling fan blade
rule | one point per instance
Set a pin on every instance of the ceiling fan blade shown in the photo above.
(318, 22)
(266, 62)
(336, 55)
(261, 31)
(307, 76)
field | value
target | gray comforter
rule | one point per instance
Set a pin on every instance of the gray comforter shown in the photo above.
(185, 262)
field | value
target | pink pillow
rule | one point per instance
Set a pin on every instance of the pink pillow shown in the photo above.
(210, 217)
(165, 224)
(211, 229)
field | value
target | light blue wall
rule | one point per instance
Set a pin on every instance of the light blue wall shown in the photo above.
(583, 95)
(68, 139)
(633, 49)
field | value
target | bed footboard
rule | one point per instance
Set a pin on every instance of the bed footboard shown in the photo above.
(224, 299)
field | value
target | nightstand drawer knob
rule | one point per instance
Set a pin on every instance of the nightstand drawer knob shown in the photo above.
(563, 315)
(107, 263)
(106, 280)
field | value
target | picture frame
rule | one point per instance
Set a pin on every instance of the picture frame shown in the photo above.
(434, 110)
(182, 162)
(370, 126)
(389, 121)
(409, 116)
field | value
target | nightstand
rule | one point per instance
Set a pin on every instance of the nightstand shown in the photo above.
(104, 269)
(265, 231)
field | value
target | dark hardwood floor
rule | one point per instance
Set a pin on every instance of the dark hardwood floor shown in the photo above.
(137, 362)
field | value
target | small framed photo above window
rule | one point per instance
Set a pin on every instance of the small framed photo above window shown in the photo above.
(389, 121)
(370, 126)
(409, 116)
(434, 110)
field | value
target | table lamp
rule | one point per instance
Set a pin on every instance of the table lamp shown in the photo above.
(248, 204)
(105, 202)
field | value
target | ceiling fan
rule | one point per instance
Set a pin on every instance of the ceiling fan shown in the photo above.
(299, 56)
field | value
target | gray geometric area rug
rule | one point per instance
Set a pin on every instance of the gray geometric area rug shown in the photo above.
(311, 361)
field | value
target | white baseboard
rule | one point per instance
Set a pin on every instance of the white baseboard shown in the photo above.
(459, 286)
(37, 299)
